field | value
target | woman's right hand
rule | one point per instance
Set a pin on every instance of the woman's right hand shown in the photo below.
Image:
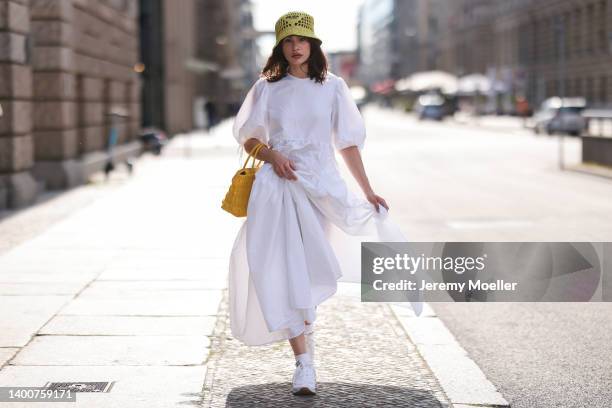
(282, 166)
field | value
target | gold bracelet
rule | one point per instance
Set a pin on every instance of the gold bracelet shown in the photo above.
(264, 146)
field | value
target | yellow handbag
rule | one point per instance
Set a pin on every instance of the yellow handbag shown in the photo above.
(237, 198)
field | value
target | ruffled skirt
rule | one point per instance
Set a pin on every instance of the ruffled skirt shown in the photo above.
(300, 237)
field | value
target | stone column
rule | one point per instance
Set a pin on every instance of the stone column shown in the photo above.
(117, 100)
(133, 92)
(133, 85)
(17, 187)
(55, 109)
(91, 118)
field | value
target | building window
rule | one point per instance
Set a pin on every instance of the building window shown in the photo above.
(545, 28)
(535, 57)
(590, 46)
(578, 87)
(602, 26)
(589, 91)
(603, 90)
(577, 31)
(550, 86)
(567, 30)
(551, 39)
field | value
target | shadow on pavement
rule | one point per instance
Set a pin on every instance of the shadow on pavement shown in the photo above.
(331, 395)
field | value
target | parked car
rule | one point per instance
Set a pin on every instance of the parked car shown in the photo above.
(560, 115)
(430, 106)
(359, 95)
(153, 139)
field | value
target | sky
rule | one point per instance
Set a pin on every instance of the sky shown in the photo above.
(335, 21)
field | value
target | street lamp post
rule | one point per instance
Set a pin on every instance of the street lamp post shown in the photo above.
(561, 74)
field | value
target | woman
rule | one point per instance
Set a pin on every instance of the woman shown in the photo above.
(283, 262)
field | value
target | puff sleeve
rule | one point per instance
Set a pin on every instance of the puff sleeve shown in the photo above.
(250, 121)
(348, 128)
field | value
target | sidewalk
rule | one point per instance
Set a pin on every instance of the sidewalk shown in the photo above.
(125, 290)
(363, 359)
(130, 291)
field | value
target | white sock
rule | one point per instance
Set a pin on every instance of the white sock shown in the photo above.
(303, 358)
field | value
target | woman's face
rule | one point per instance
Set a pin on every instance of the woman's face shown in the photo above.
(296, 49)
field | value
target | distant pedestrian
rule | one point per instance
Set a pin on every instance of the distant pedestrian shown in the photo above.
(211, 114)
(522, 108)
(283, 263)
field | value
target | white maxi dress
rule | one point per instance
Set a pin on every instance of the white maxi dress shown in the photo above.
(300, 236)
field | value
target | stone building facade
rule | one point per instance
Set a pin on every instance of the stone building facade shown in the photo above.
(377, 41)
(178, 44)
(226, 44)
(534, 49)
(432, 24)
(64, 66)
(531, 49)
(559, 47)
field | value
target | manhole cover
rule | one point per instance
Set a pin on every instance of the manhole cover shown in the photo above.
(81, 386)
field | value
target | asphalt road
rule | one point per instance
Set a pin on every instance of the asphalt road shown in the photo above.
(452, 182)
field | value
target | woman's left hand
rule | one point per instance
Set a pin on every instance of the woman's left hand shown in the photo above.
(376, 200)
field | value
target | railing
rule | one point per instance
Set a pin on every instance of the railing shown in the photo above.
(597, 146)
(601, 117)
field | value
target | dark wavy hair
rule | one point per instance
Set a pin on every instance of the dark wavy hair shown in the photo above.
(277, 65)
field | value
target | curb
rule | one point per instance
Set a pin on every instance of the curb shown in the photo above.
(459, 376)
(489, 127)
(591, 169)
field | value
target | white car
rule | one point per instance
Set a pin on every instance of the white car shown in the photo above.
(430, 106)
(560, 115)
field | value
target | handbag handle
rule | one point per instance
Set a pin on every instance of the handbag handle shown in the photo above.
(252, 154)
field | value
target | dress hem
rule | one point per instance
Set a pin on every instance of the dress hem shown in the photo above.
(286, 337)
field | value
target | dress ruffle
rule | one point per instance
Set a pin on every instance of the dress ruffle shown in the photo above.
(293, 248)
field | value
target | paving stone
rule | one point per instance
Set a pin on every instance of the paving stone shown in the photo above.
(130, 325)
(363, 359)
(147, 293)
(126, 287)
(33, 255)
(212, 281)
(22, 316)
(134, 386)
(114, 350)
(6, 353)
(39, 288)
(47, 275)
(199, 304)
(156, 263)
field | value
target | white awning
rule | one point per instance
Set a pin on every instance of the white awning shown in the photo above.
(428, 80)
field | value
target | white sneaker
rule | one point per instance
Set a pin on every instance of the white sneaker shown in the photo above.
(304, 379)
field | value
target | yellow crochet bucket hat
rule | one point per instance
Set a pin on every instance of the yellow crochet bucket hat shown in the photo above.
(295, 23)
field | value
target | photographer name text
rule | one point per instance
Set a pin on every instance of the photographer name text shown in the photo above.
(406, 285)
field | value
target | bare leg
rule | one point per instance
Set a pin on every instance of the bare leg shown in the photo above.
(298, 343)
